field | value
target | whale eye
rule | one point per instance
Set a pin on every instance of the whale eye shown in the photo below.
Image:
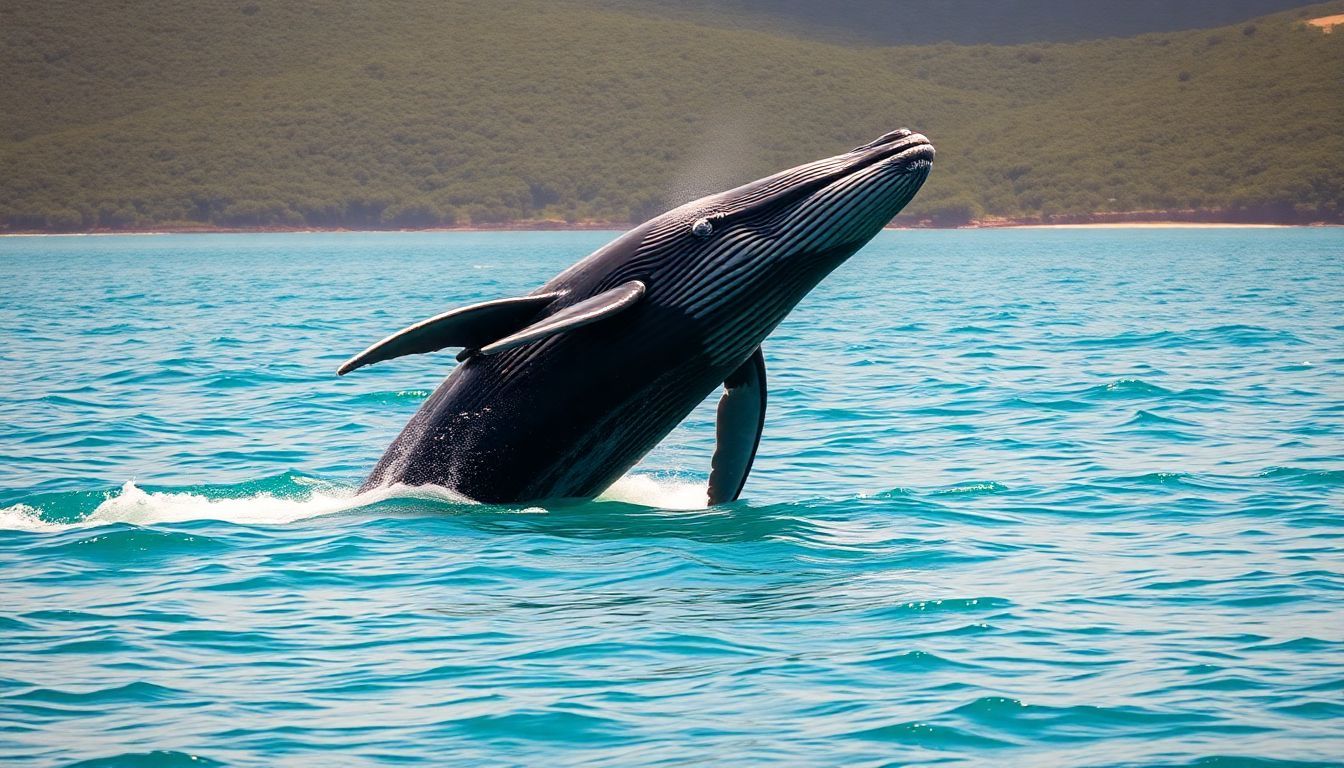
(702, 227)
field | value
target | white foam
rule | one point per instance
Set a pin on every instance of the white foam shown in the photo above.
(132, 504)
(139, 507)
(136, 506)
(22, 517)
(650, 491)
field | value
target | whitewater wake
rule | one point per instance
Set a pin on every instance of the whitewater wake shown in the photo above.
(131, 504)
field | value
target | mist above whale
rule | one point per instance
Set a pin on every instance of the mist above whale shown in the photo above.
(560, 392)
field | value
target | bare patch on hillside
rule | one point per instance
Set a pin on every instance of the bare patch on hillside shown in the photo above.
(1327, 24)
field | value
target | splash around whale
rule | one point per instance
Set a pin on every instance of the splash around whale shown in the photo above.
(558, 393)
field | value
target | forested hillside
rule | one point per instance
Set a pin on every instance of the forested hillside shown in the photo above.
(410, 113)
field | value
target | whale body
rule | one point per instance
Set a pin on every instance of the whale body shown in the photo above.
(560, 392)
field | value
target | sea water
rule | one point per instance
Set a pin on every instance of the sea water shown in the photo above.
(1024, 497)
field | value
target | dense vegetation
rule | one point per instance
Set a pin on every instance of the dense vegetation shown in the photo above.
(413, 113)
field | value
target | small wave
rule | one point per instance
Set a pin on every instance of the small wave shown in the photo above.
(1314, 477)
(1221, 335)
(1086, 397)
(119, 694)
(1148, 419)
(973, 489)
(390, 398)
(1243, 761)
(540, 726)
(1247, 335)
(1064, 404)
(929, 735)
(935, 410)
(945, 605)
(916, 661)
(72, 402)
(157, 759)
(1157, 479)
(1123, 388)
(1128, 339)
(1011, 714)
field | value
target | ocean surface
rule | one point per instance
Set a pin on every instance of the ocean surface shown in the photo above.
(1026, 497)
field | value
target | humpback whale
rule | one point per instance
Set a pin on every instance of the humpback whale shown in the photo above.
(560, 392)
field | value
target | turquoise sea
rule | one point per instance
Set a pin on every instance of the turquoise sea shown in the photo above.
(1037, 498)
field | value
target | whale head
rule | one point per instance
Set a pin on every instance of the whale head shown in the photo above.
(756, 250)
(833, 202)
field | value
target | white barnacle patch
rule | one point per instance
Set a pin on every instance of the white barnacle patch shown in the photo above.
(702, 227)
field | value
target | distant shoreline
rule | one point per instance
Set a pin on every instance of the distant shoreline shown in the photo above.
(619, 227)
(1149, 225)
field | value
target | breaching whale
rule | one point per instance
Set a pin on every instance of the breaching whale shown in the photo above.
(560, 392)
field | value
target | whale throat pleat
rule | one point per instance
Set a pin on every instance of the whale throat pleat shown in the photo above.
(468, 327)
(590, 310)
(741, 417)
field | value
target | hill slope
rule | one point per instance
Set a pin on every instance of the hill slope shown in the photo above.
(416, 113)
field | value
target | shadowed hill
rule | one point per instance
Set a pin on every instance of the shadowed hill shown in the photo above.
(417, 113)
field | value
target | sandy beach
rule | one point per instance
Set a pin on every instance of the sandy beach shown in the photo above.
(1148, 225)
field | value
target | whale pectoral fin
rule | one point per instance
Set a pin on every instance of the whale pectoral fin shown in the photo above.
(590, 310)
(463, 327)
(738, 433)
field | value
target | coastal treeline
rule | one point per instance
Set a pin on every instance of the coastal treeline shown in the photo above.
(411, 113)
